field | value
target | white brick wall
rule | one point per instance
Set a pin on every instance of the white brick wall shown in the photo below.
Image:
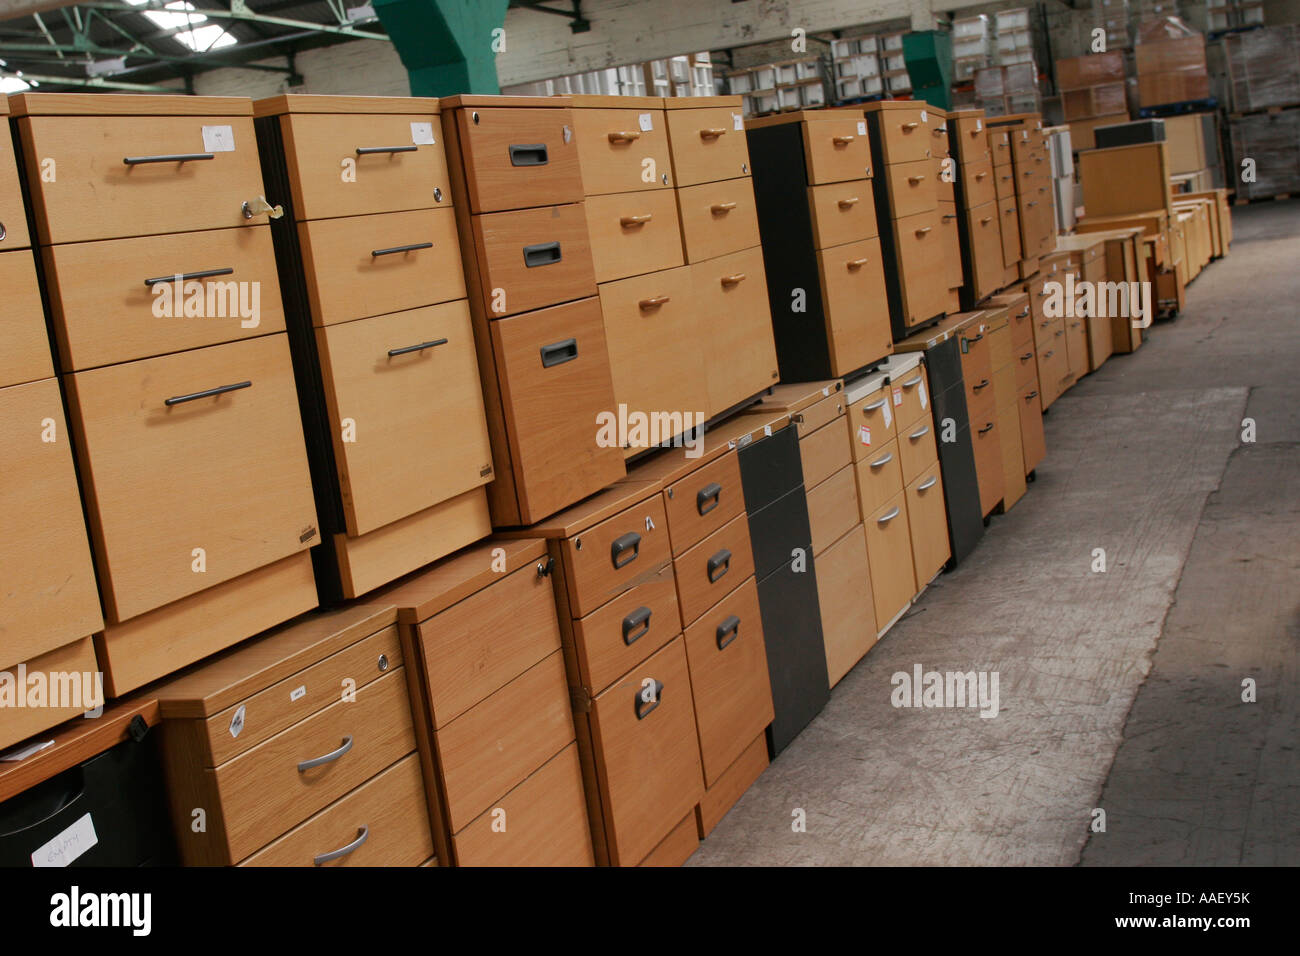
(358, 68)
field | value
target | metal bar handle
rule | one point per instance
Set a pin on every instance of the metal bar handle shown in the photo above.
(912, 381)
(842, 140)
(848, 201)
(376, 253)
(653, 302)
(874, 405)
(372, 150)
(986, 428)
(712, 132)
(928, 484)
(984, 383)
(915, 179)
(640, 220)
(416, 348)
(857, 263)
(1027, 356)
(728, 631)
(881, 462)
(362, 835)
(922, 231)
(885, 519)
(1031, 396)
(206, 393)
(173, 158)
(734, 279)
(925, 430)
(187, 276)
(718, 208)
(327, 758)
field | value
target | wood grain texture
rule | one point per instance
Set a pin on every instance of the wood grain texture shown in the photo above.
(928, 525)
(676, 848)
(695, 509)
(842, 213)
(126, 104)
(845, 597)
(368, 105)
(904, 137)
(857, 311)
(833, 508)
(824, 452)
(911, 187)
(19, 723)
(26, 357)
(706, 146)
(879, 477)
(873, 412)
(834, 150)
(493, 180)
(917, 447)
(589, 560)
(731, 785)
(698, 589)
(985, 438)
(718, 218)
(614, 162)
(1013, 476)
(986, 250)
(1033, 446)
(13, 211)
(951, 245)
(633, 233)
(889, 554)
(605, 648)
(731, 298)
(917, 244)
(423, 594)
(506, 278)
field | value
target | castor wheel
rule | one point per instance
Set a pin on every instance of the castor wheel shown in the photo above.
(1032, 476)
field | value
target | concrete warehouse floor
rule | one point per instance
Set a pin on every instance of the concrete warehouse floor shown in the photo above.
(1119, 690)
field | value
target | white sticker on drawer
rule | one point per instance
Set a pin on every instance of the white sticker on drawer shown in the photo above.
(923, 118)
(862, 128)
(925, 399)
(68, 845)
(898, 395)
(298, 693)
(737, 121)
(237, 722)
(422, 134)
(864, 435)
(218, 139)
(646, 121)
(979, 125)
(889, 414)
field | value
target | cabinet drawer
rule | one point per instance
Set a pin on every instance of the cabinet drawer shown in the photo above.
(616, 554)
(1033, 447)
(478, 645)
(266, 790)
(729, 679)
(920, 256)
(633, 233)
(823, 453)
(118, 300)
(985, 247)
(1026, 365)
(98, 194)
(977, 183)
(834, 149)
(1020, 318)
(498, 743)
(971, 139)
(713, 568)
(619, 635)
(988, 454)
(889, 550)
(387, 814)
(614, 146)
(871, 423)
(844, 596)
(371, 265)
(545, 821)
(821, 412)
(1022, 145)
(703, 502)
(842, 212)
(1000, 147)
(393, 385)
(951, 245)
(553, 374)
(731, 302)
(916, 448)
(518, 158)
(911, 188)
(939, 142)
(904, 135)
(928, 524)
(911, 397)
(647, 753)
(13, 212)
(654, 355)
(359, 164)
(49, 598)
(718, 218)
(1009, 214)
(1004, 183)
(976, 366)
(944, 186)
(534, 257)
(833, 508)
(880, 477)
(23, 722)
(707, 145)
(26, 355)
(857, 308)
(163, 480)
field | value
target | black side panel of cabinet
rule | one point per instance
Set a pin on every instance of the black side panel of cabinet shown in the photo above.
(957, 457)
(769, 468)
(796, 654)
(777, 529)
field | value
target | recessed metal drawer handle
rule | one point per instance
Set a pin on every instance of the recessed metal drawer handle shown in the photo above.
(625, 549)
(624, 136)
(636, 625)
(912, 382)
(1033, 394)
(206, 393)
(643, 706)
(986, 428)
(915, 179)
(842, 140)
(925, 430)
(653, 302)
(416, 348)
(372, 150)
(629, 221)
(394, 250)
(734, 279)
(728, 631)
(529, 154)
(873, 406)
(885, 519)
(923, 230)
(3, 232)
(362, 835)
(557, 353)
(718, 208)
(173, 158)
(542, 254)
(708, 498)
(857, 263)
(327, 758)
(183, 276)
(881, 462)
(928, 484)
(984, 383)
(849, 201)
(720, 560)
(712, 132)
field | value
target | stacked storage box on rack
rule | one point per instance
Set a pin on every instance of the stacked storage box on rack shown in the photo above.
(140, 203)
(780, 87)
(907, 209)
(1224, 15)
(1015, 42)
(518, 193)
(945, 184)
(482, 644)
(1008, 90)
(856, 65)
(268, 764)
(1264, 77)
(1192, 145)
(821, 246)
(1093, 93)
(380, 333)
(1111, 16)
(972, 46)
(49, 607)
(1004, 179)
(1171, 67)
(1060, 157)
(893, 66)
(979, 218)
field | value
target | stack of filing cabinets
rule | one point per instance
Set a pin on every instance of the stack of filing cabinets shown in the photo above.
(945, 178)
(1004, 179)
(983, 255)
(380, 331)
(180, 384)
(1033, 448)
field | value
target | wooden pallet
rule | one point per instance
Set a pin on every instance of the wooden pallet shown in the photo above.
(1270, 110)
(1243, 201)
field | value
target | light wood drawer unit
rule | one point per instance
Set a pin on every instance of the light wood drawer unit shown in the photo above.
(969, 136)
(927, 524)
(1009, 441)
(833, 508)
(1000, 147)
(729, 678)
(633, 233)
(26, 355)
(901, 132)
(264, 737)
(842, 213)
(853, 289)
(13, 214)
(75, 665)
(910, 397)
(702, 502)
(617, 636)
(105, 167)
(610, 556)
(706, 135)
(844, 593)
(937, 121)
(1009, 215)
(916, 448)
(1076, 344)
(889, 552)
(819, 404)
(1004, 182)
(836, 149)
(871, 422)
(622, 149)
(677, 847)
(1026, 365)
(1033, 447)
(985, 245)
(978, 183)
(880, 477)
(1020, 317)
(729, 788)
(951, 244)
(731, 300)
(530, 258)
(711, 569)
(988, 453)
(911, 187)
(824, 452)
(918, 248)
(718, 218)
(945, 188)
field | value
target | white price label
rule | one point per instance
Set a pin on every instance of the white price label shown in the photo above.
(737, 121)
(218, 139)
(898, 395)
(979, 125)
(925, 399)
(646, 121)
(298, 693)
(864, 435)
(862, 128)
(923, 117)
(422, 134)
(889, 415)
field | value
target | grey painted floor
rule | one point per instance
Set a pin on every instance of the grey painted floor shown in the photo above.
(1119, 691)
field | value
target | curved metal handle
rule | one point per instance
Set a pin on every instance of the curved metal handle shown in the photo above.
(947, 216)
(712, 132)
(179, 277)
(842, 140)
(923, 230)
(172, 158)
(376, 253)
(653, 302)
(636, 625)
(925, 430)
(929, 484)
(627, 221)
(847, 202)
(908, 127)
(985, 220)
(206, 393)
(881, 462)
(327, 758)
(371, 150)
(624, 136)
(915, 179)
(911, 382)
(1033, 394)
(986, 428)
(857, 263)
(984, 383)
(645, 707)
(728, 631)
(407, 350)
(940, 131)
(874, 405)
(720, 560)
(362, 835)
(1027, 356)
(734, 278)
(885, 519)
(718, 208)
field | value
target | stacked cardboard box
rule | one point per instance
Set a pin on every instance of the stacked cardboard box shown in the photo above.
(1264, 68)
(1171, 65)
(1272, 141)
(1092, 94)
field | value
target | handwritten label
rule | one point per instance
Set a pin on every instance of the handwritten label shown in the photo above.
(68, 845)
(422, 134)
(646, 122)
(218, 139)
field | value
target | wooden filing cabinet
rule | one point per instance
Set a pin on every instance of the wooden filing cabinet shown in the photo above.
(1049, 343)
(297, 749)
(380, 332)
(980, 221)
(194, 403)
(1024, 360)
(1122, 260)
(942, 130)
(492, 716)
(975, 346)
(517, 183)
(1003, 349)
(1087, 258)
(1138, 176)
(907, 208)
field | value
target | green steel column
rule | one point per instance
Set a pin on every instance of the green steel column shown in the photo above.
(445, 45)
